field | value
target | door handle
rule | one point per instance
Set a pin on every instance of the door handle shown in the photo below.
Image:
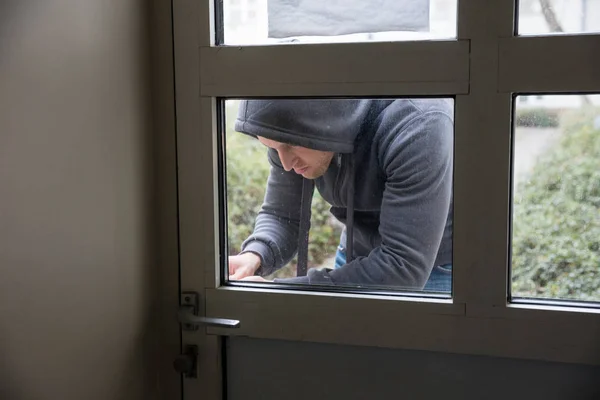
(190, 320)
(186, 316)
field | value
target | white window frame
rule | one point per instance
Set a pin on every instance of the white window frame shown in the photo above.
(482, 69)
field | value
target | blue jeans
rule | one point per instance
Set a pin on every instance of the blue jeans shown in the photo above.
(440, 279)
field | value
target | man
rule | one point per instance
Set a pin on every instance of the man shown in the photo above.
(385, 166)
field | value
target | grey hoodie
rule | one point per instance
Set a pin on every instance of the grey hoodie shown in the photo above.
(399, 153)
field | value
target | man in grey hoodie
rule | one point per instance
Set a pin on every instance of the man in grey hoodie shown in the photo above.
(385, 166)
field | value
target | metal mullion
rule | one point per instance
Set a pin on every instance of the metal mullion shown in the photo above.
(482, 161)
(544, 64)
(342, 90)
(206, 22)
(337, 69)
(196, 201)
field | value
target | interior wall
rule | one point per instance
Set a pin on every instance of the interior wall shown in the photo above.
(76, 244)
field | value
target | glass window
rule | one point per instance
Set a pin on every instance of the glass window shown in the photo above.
(556, 201)
(545, 17)
(315, 21)
(341, 194)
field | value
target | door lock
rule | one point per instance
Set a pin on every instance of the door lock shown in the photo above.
(187, 363)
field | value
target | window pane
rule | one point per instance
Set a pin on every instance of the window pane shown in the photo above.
(544, 17)
(316, 21)
(381, 171)
(556, 203)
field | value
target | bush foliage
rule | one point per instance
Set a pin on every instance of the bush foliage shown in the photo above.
(537, 117)
(556, 221)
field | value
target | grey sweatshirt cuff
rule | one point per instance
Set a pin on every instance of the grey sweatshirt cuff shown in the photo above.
(314, 277)
(267, 261)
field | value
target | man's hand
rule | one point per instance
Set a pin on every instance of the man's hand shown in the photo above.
(255, 279)
(243, 265)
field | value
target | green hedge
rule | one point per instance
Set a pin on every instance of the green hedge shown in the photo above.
(556, 221)
(537, 117)
(247, 172)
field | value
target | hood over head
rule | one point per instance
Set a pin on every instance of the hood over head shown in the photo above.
(319, 124)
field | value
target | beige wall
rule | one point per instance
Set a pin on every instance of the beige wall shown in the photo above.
(76, 268)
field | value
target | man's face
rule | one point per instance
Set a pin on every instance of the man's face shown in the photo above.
(309, 163)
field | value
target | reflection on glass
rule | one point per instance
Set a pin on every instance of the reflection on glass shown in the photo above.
(546, 17)
(341, 193)
(556, 204)
(316, 21)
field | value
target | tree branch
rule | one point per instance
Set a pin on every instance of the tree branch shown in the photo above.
(550, 16)
(555, 26)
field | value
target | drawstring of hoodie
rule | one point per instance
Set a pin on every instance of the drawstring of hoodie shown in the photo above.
(308, 188)
(350, 212)
(305, 214)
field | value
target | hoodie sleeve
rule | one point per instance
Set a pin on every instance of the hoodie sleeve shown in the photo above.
(417, 160)
(275, 236)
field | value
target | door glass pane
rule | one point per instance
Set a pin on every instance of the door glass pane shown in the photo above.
(370, 178)
(316, 21)
(547, 17)
(556, 201)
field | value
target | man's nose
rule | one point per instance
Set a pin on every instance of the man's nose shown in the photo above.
(287, 160)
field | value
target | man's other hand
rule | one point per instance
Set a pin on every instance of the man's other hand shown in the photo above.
(255, 279)
(243, 265)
